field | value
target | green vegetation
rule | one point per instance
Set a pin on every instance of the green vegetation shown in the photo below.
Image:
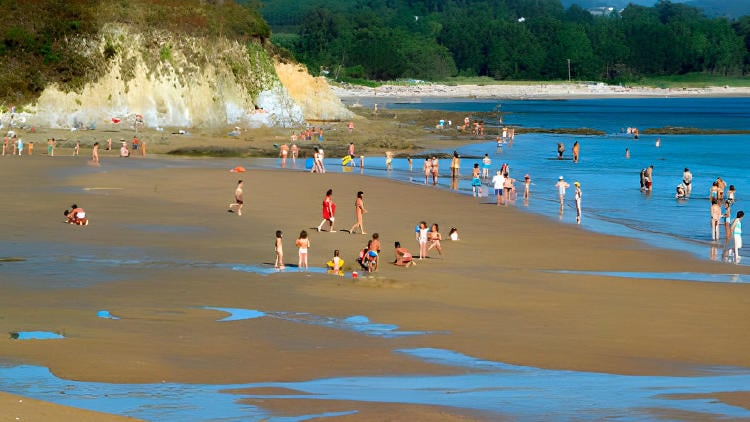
(44, 41)
(507, 40)
(693, 80)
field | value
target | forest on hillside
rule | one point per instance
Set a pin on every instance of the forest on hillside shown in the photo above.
(505, 39)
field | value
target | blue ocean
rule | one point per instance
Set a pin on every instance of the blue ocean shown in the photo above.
(612, 200)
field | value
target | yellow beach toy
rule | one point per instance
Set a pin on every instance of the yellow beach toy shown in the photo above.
(330, 267)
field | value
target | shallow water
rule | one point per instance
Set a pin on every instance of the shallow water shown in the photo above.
(519, 392)
(707, 278)
(357, 323)
(36, 335)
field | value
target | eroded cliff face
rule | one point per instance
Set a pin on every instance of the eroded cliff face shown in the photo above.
(313, 95)
(187, 82)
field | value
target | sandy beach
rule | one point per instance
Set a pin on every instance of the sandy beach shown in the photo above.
(497, 294)
(541, 90)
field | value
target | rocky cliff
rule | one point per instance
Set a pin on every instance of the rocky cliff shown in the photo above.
(184, 81)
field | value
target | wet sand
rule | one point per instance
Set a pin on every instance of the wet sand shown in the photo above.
(492, 294)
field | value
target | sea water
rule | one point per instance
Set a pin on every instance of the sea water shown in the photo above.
(612, 201)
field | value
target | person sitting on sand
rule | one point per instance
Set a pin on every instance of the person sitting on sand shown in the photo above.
(76, 216)
(403, 257)
(336, 264)
(453, 235)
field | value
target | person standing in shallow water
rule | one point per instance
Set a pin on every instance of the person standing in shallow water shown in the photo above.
(737, 235)
(578, 196)
(687, 179)
(576, 151)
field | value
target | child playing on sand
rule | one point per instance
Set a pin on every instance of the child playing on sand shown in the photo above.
(453, 234)
(435, 238)
(422, 232)
(336, 264)
(303, 243)
(403, 257)
(238, 202)
(373, 253)
(279, 249)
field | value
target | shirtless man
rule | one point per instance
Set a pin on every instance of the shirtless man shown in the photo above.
(687, 179)
(238, 202)
(295, 151)
(576, 151)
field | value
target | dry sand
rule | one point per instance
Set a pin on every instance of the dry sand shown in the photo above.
(541, 90)
(489, 291)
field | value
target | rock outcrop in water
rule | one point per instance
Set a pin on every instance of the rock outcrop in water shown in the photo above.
(182, 81)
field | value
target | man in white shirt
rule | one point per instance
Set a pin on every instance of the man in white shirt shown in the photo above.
(498, 181)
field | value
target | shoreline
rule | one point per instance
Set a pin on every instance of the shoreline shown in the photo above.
(541, 91)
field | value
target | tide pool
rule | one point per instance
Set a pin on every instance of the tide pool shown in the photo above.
(518, 392)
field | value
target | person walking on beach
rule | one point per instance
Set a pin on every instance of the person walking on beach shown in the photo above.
(576, 151)
(303, 243)
(578, 196)
(561, 186)
(426, 168)
(76, 148)
(329, 211)
(95, 154)
(237, 199)
(737, 235)
(498, 183)
(687, 179)
(51, 147)
(359, 210)
(279, 249)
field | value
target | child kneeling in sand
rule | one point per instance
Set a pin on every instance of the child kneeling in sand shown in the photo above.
(76, 216)
(403, 257)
